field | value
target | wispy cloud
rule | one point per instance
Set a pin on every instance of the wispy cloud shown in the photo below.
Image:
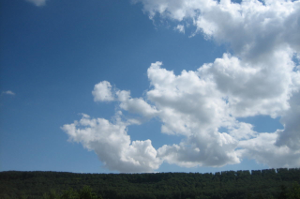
(180, 28)
(8, 93)
(38, 2)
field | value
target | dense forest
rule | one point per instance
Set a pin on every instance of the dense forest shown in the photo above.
(270, 183)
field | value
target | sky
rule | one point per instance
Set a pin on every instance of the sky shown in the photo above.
(143, 86)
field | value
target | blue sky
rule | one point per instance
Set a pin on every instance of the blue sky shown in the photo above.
(149, 86)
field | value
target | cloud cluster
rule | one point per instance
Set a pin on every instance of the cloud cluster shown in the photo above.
(38, 2)
(260, 77)
(104, 92)
(252, 28)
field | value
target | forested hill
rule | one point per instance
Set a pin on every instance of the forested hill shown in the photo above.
(271, 183)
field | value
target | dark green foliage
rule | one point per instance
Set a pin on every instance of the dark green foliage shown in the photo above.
(69, 194)
(86, 193)
(290, 193)
(266, 184)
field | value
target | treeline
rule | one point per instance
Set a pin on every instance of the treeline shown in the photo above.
(266, 184)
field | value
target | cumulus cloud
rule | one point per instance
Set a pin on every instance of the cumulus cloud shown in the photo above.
(259, 77)
(102, 92)
(290, 136)
(252, 28)
(198, 104)
(38, 2)
(135, 105)
(264, 150)
(202, 149)
(112, 144)
(185, 101)
(8, 93)
(251, 89)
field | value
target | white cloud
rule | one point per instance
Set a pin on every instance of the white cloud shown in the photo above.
(38, 2)
(102, 92)
(197, 104)
(258, 78)
(135, 105)
(202, 149)
(180, 28)
(263, 88)
(185, 101)
(8, 93)
(264, 150)
(290, 136)
(112, 144)
(252, 29)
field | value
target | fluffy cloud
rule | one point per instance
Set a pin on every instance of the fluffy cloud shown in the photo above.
(252, 28)
(290, 136)
(135, 105)
(112, 144)
(102, 92)
(197, 104)
(260, 77)
(185, 101)
(264, 150)
(202, 149)
(38, 2)
(190, 106)
(263, 88)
